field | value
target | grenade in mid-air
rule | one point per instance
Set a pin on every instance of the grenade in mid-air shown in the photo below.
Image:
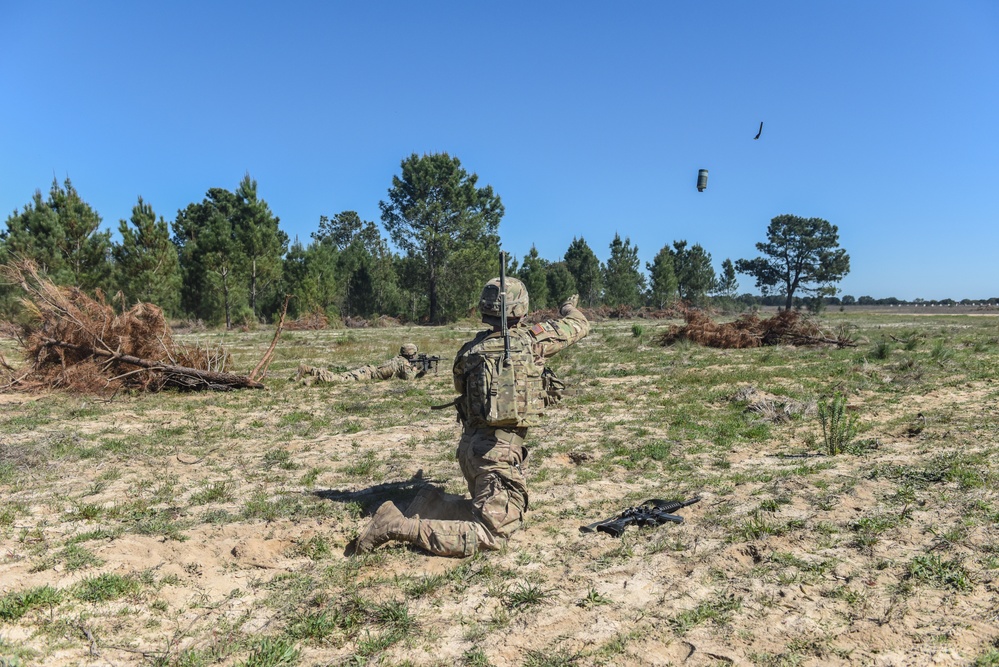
(702, 179)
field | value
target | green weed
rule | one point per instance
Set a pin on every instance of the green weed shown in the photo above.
(593, 599)
(15, 605)
(76, 557)
(213, 492)
(940, 353)
(934, 571)
(838, 427)
(525, 595)
(718, 611)
(272, 652)
(106, 587)
(882, 349)
(549, 658)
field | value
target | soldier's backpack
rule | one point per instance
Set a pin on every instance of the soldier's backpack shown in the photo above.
(499, 394)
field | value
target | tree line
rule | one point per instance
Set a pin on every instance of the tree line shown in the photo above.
(225, 259)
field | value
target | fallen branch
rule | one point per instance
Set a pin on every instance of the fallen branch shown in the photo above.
(265, 361)
(183, 375)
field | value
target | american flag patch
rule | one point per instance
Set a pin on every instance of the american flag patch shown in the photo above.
(538, 329)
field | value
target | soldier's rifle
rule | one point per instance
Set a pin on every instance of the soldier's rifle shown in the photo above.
(427, 363)
(652, 512)
(504, 330)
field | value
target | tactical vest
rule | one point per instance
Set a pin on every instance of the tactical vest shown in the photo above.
(499, 394)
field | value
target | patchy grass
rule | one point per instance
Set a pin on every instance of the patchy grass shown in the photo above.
(199, 529)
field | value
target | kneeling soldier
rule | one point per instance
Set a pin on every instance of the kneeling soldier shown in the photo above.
(498, 400)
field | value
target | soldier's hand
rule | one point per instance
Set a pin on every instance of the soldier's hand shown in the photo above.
(571, 301)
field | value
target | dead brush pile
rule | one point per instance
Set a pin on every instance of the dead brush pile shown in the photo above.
(787, 327)
(75, 342)
(314, 321)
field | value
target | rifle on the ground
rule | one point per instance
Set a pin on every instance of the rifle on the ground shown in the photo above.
(650, 513)
(427, 363)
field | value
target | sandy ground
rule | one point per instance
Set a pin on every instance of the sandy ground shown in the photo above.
(804, 593)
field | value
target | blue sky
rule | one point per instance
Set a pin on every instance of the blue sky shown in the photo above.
(587, 118)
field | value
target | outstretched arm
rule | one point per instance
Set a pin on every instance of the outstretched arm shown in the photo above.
(554, 336)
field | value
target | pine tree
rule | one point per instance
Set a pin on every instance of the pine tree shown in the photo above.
(230, 250)
(534, 274)
(694, 273)
(727, 283)
(308, 274)
(800, 255)
(448, 226)
(624, 284)
(211, 260)
(663, 285)
(263, 245)
(585, 269)
(146, 267)
(365, 271)
(561, 284)
(61, 235)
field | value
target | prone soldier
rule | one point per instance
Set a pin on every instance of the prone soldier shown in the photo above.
(405, 366)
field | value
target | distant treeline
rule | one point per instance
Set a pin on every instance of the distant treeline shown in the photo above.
(226, 260)
(752, 300)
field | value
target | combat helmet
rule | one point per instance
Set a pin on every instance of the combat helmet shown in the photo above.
(516, 300)
(408, 350)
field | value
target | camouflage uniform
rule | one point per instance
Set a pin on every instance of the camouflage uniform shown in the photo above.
(490, 457)
(401, 366)
(397, 367)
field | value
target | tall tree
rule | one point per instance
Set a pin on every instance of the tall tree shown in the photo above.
(146, 267)
(534, 274)
(727, 284)
(663, 285)
(230, 250)
(345, 228)
(212, 261)
(61, 235)
(585, 268)
(436, 213)
(694, 273)
(263, 244)
(800, 254)
(561, 284)
(365, 265)
(35, 233)
(308, 274)
(624, 283)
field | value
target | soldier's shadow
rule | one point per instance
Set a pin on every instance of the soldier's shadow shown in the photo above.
(401, 493)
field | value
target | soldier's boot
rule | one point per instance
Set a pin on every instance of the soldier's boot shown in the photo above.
(303, 369)
(387, 525)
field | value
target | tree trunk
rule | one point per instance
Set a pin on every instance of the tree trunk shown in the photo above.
(433, 296)
(225, 298)
(253, 288)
